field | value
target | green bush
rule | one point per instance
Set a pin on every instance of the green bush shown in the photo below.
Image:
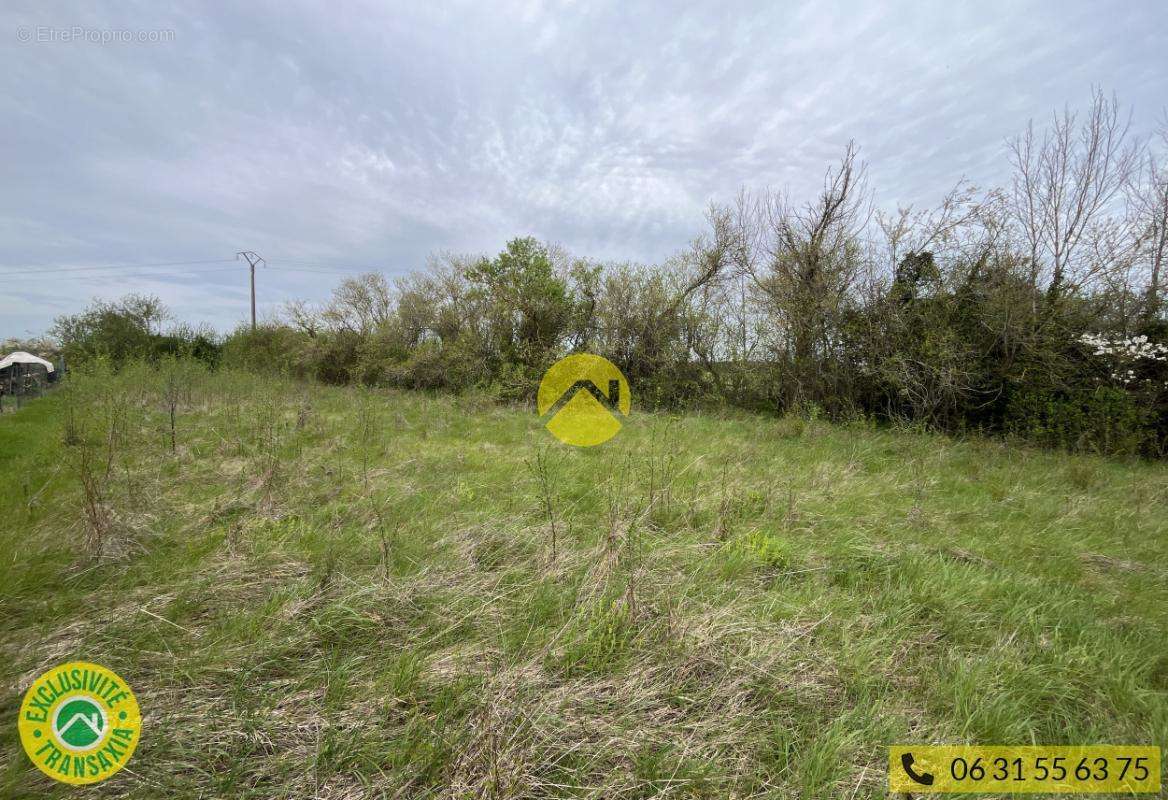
(267, 349)
(129, 329)
(1104, 419)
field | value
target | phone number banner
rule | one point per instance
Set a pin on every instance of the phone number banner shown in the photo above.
(1030, 768)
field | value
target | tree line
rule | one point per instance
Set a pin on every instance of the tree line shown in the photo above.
(1035, 309)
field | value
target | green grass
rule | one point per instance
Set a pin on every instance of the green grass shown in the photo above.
(329, 592)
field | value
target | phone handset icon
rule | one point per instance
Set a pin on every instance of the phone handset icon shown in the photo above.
(923, 778)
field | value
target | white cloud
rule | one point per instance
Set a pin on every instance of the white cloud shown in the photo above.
(390, 132)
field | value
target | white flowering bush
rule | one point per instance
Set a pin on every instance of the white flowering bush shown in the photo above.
(1112, 399)
(1130, 359)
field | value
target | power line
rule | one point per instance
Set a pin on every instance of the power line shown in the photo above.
(103, 269)
(319, 261)
(100, 267)
(338, 267)
(150, 271)
(120, 275)
(318, 271)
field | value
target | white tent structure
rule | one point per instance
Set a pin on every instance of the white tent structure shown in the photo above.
(23, 373)
(21, 357)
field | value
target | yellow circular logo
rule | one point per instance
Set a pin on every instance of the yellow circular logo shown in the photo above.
(79, 723)
(584, 398)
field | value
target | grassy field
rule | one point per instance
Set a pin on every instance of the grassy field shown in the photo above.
(336, 593)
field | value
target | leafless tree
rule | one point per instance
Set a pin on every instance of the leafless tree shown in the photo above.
(1065, 182)
(360, 304)
(938, 231)
(805, 259)
(1148, 196)
(438, 303)
(303, 317)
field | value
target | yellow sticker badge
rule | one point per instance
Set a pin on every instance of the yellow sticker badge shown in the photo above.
(584, 398)
(79, 723)
(1015, 769)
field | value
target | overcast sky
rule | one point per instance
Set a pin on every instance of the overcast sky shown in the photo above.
(338, 136)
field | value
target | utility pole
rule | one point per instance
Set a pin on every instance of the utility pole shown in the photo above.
(252, 259)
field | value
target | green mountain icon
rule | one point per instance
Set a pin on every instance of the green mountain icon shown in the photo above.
(79, 723)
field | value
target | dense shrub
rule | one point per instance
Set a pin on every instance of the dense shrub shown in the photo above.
(1104, 419)
(130, 329)
(268, 348)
